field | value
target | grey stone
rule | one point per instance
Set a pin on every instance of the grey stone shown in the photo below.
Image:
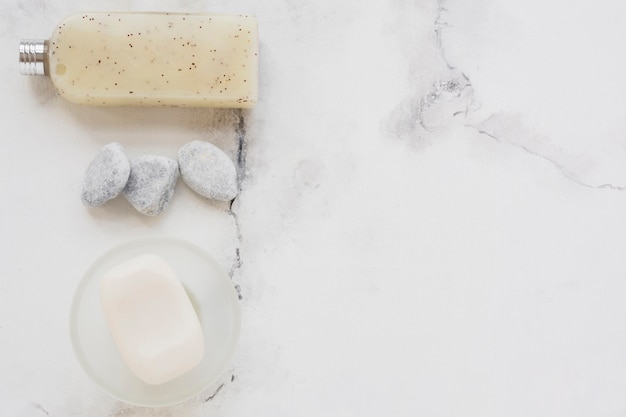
(208, 171)
(150, 186)
(106, 175)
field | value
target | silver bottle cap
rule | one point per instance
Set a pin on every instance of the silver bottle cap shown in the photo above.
(33, 57)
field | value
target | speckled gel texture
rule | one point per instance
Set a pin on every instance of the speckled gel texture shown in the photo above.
(208, 171)
(156, 59)
(151, 183)
(106, 175)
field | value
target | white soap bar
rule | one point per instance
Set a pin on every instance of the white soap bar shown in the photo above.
(151, 319)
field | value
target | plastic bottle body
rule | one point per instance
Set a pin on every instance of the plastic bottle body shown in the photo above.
(155, 59)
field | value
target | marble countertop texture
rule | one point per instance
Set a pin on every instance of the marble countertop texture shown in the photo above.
(432, 219)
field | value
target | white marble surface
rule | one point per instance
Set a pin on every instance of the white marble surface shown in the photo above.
(432, 218)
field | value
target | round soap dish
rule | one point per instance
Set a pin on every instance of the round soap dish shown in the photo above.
(211, 292)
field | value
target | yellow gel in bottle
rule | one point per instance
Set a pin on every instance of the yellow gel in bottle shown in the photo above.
(150, 59)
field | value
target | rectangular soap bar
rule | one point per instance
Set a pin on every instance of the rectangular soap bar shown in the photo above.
(151, 319)
(169, 59)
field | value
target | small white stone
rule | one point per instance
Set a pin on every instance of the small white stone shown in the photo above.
(208, 171)
(150, 186)
(106, 175)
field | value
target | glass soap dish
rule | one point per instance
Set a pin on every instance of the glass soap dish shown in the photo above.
(213, 296)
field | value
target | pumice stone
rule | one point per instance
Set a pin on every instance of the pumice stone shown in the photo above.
(150, 186)
(106, 175)
(208, 171)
